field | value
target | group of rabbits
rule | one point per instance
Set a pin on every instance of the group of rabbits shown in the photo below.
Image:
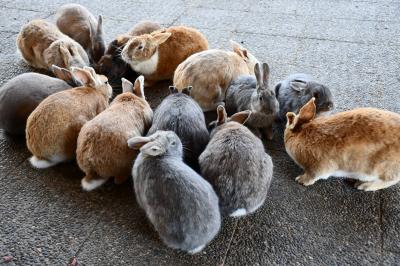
(186, 175)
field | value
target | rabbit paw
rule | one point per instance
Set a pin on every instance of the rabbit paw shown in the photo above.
(374, 185)
(305, 180)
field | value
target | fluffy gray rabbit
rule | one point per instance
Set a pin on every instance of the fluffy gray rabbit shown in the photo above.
(252, 93)
(297, 89)
(180, 204)
(236, 164)
(180, 113)
(20, 96)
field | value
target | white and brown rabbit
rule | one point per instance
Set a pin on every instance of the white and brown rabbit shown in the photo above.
(157, 55)
(42, 45)
(211, 72)
(181, 205)
(253, 93)
(361, 144)
(111, 63)
(52, 128)
(77, 22)
(102, 151)
(235, 163)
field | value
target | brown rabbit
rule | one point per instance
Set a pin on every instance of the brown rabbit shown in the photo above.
(102, 150)
(361, 144)
(157, 55)
(42, 45)
(52, 128)
(211, 72)
(77, 22)
(111, 63)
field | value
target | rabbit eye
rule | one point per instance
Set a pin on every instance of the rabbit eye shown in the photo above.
(106, 82)
(260, 98)
(140, 47)
(173, 143)
(316, 94)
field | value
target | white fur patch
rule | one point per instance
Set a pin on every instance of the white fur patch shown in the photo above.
(89, 186)
(42, 164)
(196, 250)
(238, 213)
(354, 175)
(147, 67)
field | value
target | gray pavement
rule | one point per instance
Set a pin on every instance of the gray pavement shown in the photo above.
(352, 46)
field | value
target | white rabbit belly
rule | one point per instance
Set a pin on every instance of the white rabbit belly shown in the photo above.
(353, 175)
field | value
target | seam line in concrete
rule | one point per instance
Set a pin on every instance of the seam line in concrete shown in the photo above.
(229, 243)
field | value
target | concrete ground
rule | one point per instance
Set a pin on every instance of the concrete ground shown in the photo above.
(351, 46)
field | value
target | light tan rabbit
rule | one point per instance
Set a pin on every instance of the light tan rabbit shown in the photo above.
(52, 128)
(157, 55)
(77, 22)
(42, 45)
(102, 150)
(361, 144)
(211, 72)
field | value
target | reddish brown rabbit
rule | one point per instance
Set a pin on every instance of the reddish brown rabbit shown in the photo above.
(102, 150)
(42, 45)
(52, 128)
(362, 144)
(157, 55)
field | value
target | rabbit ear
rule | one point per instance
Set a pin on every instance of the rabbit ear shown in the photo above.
(306, 114)
(298, 85)
(84, 76)
(160, 38)
(127, 86)
(121, 39)
(257, 73)
(241, 117)
(138, 87)
(265, 73)
(65, 75)
(277, 87)
(65, 55)
(222, 116)
(137, 142)
(99, 29)
(173, 89)
(187, 90)
(240, 50)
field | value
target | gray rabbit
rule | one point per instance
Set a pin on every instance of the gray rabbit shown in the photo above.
(20, 96)
(180, 204)
(180, 113)
(252, 93)
(235, 163)
(297, 89)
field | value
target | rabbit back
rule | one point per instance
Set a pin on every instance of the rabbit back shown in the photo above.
(21, 95)
(237, 166)
(182, 206)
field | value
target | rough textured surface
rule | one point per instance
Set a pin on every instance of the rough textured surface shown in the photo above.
(352, 46)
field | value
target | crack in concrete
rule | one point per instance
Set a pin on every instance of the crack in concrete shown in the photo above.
(89, 235)
(229, 243)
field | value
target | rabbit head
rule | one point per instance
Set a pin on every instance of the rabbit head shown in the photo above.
(308, 89)
(69, 54)
(65, 75)
(88, 77)
(263, 99)
(111, 63)
(158, 144)
(306, 114)
(222, 118)
(250, 59)
(141, 48)
(96, 37)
